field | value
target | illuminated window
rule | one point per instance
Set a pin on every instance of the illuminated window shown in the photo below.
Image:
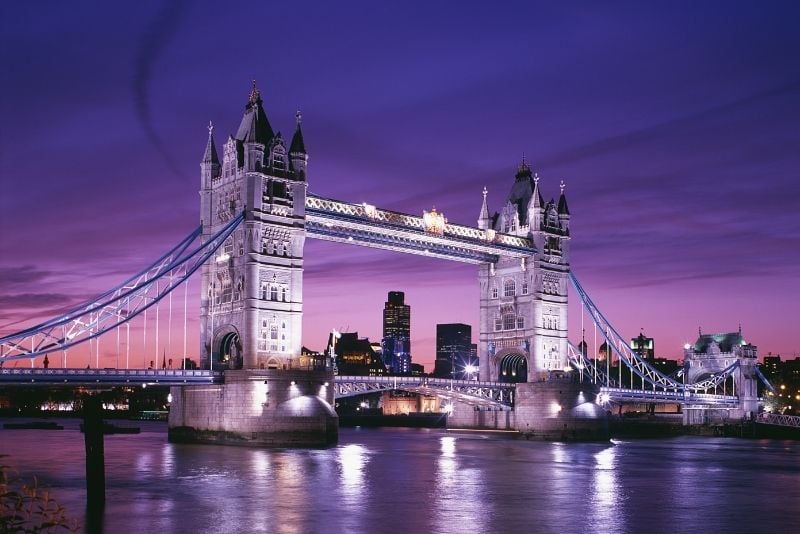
(509, 288)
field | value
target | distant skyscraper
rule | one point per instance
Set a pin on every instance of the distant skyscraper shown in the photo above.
(397, 333)
(456, 356)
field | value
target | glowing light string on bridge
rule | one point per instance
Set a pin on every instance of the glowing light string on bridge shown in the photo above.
(116, 306)
(634, 361)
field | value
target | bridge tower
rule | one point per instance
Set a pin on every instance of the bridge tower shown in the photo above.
(251, 299)
(523, 310)
(713, 353)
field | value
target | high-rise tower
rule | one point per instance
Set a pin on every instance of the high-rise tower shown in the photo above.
(523, 313)
(397, 333)
(251, 300)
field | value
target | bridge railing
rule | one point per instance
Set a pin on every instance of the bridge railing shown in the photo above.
(611, 394)
(368, 213)
(779, 419)
(22, 376)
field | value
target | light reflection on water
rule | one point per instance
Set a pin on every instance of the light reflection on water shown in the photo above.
(416, 480)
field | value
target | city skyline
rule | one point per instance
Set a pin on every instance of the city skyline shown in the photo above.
(679, 153)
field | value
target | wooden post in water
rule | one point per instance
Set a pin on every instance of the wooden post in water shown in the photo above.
(95, 454)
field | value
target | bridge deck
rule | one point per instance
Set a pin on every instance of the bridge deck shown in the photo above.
(667, 397)
(107, 377)
(362, 224)
(489, 394)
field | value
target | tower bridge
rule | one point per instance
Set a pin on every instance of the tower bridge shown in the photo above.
(256, 213)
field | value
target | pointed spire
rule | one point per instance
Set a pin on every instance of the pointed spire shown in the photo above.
(483, 218)
(563, 209)
(524, 170)
(298, 146)
(538, 201)
(255, 126)
(210, 155)
(255, 95)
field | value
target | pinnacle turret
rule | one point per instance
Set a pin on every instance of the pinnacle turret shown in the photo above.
(563, 209)
(484, 221)
(298, 146)
(210, 155)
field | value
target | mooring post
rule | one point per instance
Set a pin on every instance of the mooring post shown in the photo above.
(95, 454)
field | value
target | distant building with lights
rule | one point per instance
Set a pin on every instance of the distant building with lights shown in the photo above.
(396, 344)
(456, 355)
(355, 356)
(645, 346)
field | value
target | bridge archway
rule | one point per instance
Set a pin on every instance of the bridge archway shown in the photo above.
(512, 366)
(229, 354)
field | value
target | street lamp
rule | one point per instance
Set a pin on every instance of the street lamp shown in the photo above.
(471, 371)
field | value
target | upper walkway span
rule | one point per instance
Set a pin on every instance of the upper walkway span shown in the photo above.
(429, 235)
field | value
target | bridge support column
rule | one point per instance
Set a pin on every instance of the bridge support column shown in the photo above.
(479, 418)
(268, 408)
(560, 409)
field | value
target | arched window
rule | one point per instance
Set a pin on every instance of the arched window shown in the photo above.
(273, 336)
(509, 288)
(283, 294)
(273, 293)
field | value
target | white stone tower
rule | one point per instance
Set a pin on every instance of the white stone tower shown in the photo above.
(252, 289)
(709, 356)
(523, 314)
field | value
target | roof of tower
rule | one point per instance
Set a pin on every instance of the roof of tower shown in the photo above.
(725, 341)
(563, 209)
(522, 191)
(210, 155)
(298, 145)
(255, 126)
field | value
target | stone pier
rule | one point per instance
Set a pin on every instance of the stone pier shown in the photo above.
(259, 407)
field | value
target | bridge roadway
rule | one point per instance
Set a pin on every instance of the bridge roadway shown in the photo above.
(107, 377)
(622, 395)
(486, 394)
(489, 394)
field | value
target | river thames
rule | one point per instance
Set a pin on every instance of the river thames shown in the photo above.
(420, 481)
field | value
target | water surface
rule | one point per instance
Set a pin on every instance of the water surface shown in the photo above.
(420, 480)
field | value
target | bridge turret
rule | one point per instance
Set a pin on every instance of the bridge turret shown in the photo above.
(563, 209)
(297, 150)
(484, 221)
(209, 166)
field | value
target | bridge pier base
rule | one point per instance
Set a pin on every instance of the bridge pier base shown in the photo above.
(266, 408)
(559, 409)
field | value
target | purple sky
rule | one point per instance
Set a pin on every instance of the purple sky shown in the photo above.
(675, 126)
